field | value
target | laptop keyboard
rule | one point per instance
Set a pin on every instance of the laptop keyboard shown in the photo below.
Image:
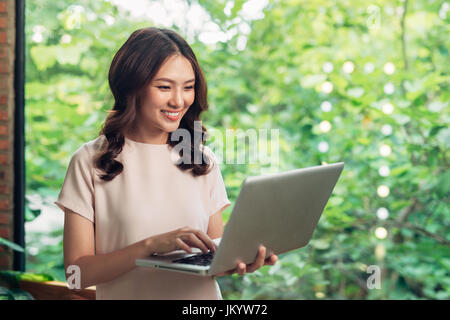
(203, 259)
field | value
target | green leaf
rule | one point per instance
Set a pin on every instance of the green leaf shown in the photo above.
(44, 57)
(435, 130)
(6, 294)
(320, 244)
(19, 294)
(355, 92)
(437, 106)
(69, 55)
(13, 278)
(11, 245)
(310, 81)
(401, 118)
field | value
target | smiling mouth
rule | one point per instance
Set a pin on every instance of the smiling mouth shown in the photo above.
(171, 115)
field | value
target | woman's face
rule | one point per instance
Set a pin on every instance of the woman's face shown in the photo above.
(166, 100)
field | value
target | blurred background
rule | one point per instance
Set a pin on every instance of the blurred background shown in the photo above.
(364, 82)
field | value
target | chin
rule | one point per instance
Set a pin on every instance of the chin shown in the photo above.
(170, 128)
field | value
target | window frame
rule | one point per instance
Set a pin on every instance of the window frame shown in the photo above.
(19, 136)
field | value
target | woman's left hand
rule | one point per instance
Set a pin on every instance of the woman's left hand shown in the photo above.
(242, 268)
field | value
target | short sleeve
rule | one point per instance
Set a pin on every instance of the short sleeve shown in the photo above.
(218, 199)
(77, 191)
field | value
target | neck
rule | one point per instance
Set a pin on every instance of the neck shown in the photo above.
(147, 137)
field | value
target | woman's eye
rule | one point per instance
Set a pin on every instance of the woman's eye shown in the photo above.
(165, 87)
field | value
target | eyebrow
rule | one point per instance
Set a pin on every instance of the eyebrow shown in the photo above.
(169, 80)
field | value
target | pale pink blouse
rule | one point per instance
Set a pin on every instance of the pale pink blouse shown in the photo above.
(150, 196)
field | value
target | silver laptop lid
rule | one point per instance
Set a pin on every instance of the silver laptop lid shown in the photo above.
(278, 210)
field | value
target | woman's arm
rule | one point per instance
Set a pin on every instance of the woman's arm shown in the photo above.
(79, 250)
(215, 226)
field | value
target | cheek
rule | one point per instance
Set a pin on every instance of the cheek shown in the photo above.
(157, 99)
(153, 103)
(191, 98)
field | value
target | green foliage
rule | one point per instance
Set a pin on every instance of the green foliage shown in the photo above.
(10, 284)
(13, 278)
(277, 81)
(11, 245)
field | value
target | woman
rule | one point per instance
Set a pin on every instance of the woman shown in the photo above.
(126, 195)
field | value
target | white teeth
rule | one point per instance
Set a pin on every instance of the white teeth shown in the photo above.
(172, 114)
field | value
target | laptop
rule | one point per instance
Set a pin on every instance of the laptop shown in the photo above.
(277, 210)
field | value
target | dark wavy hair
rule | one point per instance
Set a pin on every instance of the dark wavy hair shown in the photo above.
(132, 68)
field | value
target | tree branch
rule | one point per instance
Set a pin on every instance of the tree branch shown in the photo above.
(404, 214)
(358, 281)
(402, 24)
(421, 230)
(403, 40)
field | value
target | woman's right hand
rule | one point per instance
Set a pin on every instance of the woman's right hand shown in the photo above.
(180, 239)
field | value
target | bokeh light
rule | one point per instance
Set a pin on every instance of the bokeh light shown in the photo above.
(323, 146)
(383, 191)
(384, 171)
(327, 67)
(320, 295)
(386, 129)
(326, 106)
(37, 37)
(381, 233)
(387, 108)
(348, 67)
(325, 126)
(369, 67)
(37, 33)
(385, 150)
(66, 38)
(389, 68)
(389, 88)
(327, 87)
(382, 213)
(380, 250)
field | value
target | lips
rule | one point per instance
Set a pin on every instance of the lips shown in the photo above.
(171, 115)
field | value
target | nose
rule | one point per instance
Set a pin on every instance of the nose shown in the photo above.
(176, 100)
